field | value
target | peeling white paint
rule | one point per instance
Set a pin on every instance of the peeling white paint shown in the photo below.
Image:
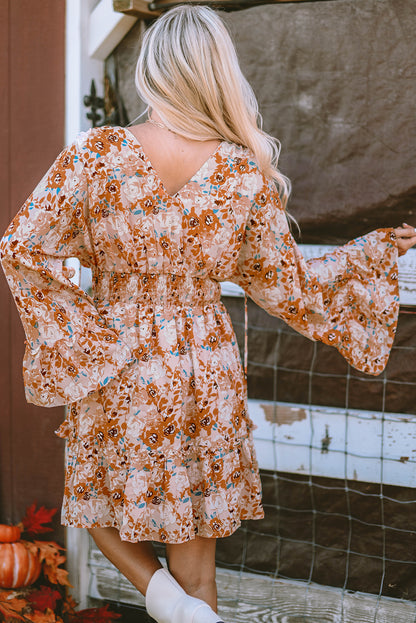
(363, 445)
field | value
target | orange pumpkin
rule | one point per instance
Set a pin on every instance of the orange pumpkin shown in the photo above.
(9, 534)
(19, 564)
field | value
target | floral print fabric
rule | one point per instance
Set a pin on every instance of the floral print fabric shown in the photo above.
(159, 440)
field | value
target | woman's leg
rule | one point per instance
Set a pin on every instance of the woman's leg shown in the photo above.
(167, 600)
(137, 561)
(192, 564)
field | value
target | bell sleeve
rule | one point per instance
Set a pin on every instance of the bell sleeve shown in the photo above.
(348, 298)
(69, 349)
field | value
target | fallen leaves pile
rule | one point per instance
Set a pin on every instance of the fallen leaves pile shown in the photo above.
(48, 600)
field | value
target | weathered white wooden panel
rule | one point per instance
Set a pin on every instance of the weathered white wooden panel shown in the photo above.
(77, 543)
(106, 29)
(246, 597)
(326, 441)
(80, 67)
(407, 278)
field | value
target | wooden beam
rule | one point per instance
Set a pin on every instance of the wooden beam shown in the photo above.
(77, 543)
(306, 439)
(143, 9)
(137, 8)
(252, 597)
(106, 29)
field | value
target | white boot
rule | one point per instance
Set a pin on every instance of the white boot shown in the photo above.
(167, 602)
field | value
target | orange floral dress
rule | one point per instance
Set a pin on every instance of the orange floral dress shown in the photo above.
(159, 440)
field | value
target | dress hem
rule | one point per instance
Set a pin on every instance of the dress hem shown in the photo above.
(156, 537)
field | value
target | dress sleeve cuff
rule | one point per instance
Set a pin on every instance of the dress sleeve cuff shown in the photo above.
(72, 368)
(371, 302)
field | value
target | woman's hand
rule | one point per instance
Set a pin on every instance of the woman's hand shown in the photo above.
(406, 238)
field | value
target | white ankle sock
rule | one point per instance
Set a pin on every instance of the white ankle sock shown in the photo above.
(167, 602)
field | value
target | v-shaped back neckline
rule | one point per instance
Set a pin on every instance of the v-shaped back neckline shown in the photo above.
(137, 143)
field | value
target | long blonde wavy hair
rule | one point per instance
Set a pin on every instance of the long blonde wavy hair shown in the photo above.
(188, 72)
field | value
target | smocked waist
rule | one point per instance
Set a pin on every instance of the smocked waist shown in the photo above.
(154, 289)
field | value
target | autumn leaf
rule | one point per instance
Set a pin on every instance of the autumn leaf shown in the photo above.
(49, 548)
(11, 605)
(51, 558)
(58, 576)
(69, 605)
(10, 614)
(32, 548)
(34, 519)
(42, 617)
(98, 615)
(43, 598)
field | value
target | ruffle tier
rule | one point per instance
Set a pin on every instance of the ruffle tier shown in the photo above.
(168, 497)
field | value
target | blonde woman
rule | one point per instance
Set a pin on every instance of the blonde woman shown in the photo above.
(158, 438)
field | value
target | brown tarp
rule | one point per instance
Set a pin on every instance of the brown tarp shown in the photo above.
(336, 83)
